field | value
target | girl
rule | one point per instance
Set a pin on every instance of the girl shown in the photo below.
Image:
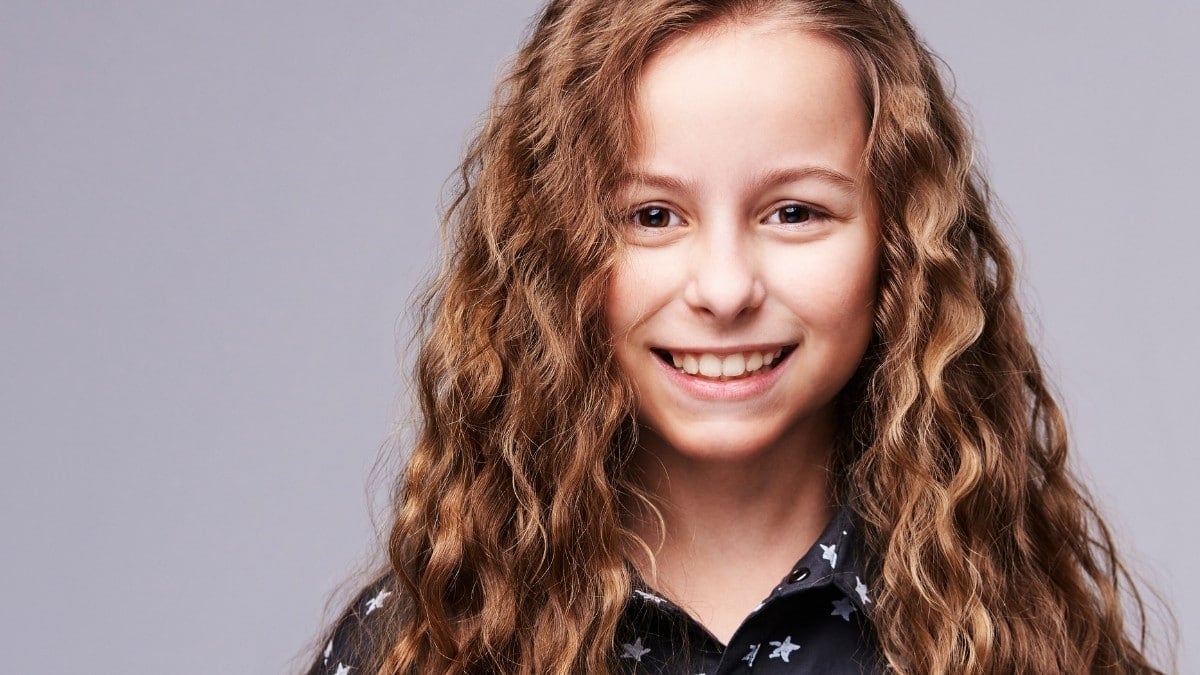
(724, 373)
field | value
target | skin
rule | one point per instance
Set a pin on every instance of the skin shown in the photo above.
(711, 263)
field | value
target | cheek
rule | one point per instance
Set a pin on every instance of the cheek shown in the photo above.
(832, 289)
(623, 301)
(643, 282)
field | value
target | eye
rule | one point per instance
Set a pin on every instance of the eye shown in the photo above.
(794, 214)
(654, 217)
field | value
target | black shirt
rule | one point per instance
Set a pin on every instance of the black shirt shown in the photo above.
(814, 621)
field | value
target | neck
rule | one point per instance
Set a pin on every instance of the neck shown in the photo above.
(766, 508)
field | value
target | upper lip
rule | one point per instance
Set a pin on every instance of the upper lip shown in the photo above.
(727, 350)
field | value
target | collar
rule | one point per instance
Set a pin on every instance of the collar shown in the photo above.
(835, 559)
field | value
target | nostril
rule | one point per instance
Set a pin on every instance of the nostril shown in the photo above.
(724, 289)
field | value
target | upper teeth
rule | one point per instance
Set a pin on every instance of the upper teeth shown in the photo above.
(730, 365)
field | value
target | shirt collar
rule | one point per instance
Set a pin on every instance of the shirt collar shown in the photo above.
(835, 558)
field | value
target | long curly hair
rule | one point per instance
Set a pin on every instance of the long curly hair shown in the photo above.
(510, 531)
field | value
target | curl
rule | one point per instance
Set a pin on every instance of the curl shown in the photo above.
(510, 532)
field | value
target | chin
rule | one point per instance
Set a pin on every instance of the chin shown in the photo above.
(727, 443)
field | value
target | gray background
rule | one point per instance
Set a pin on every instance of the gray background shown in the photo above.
(212, 215)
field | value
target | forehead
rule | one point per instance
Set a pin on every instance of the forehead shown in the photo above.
(743, 91)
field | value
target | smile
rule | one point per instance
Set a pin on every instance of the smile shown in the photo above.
(720, 368)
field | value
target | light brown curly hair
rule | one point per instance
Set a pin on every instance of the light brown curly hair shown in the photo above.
(511, 524)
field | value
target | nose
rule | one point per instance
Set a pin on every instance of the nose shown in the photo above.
(725, 279)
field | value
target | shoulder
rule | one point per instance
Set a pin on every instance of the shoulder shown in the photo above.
(362, 632)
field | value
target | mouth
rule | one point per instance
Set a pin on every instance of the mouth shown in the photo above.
(724, 367)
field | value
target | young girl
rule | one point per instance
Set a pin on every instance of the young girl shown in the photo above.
(725, 373)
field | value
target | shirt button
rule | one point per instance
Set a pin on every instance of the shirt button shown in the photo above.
(798, 575)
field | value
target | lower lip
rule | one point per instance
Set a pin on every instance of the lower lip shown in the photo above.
(741, 389)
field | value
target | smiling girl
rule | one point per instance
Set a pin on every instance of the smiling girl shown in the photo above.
(725, 373)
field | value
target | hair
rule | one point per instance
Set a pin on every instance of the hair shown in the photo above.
(510, 532)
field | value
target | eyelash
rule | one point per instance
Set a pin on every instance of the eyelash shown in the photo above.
(814, 214)
(635, 216)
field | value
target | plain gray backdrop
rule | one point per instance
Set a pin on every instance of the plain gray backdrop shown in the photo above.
(212, 215)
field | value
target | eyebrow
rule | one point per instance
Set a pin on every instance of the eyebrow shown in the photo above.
(766, 179)
(837, 179)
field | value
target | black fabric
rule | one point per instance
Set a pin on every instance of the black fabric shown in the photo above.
(356, 634)
(815, 621)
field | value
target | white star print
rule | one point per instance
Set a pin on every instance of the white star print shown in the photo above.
(861, 588)
(328, 651)
(343, 669)
(377, 601)
(783, 649)
(843, 608)
(751, 655)
(634, 651)
(830, 553)
(649, 596)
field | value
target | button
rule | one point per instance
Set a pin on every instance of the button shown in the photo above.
(798, 575)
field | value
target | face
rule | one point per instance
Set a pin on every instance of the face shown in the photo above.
(744, 298)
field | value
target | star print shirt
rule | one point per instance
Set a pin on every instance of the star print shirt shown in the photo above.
(814, 621)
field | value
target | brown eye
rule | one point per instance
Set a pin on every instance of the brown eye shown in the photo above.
(654, 217)
(794, 214)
